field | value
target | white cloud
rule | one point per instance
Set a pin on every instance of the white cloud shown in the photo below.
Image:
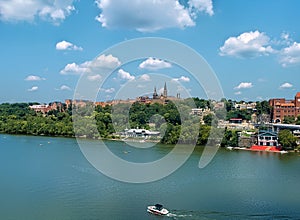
(73, 68)
(125, 75)
(290, 55)
(65, 88)
(154, 64)
(161, 90)
(18, 10)
(33, 88)
(244, 85)
(149, 15)
(65, 45)
(286, 86)
(201, 6)
(34, 78)
(94, 77)
(110, 90)
(247, 45)
(145, 77)
(107, 62)
(285, 39)
(238, 93)
(285, 36)
(182, 79)
(101, 62)
(253, 44)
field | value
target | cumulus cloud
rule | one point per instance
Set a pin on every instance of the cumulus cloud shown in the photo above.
(34, 78)
(201, 6)
(149, 15)
(73, 68)
(244, 85)
(55, 11)
(254, 43)
(33, 88)
(247, 45)
(107, 62)
(285, 39)
(286, 86)
(103, 61)
(145, 77)
(290, 55)
(65, 45)
(154, 64)
(125, 75)
(94, 77)
(110, 90)
(65, 88)
(238, 93)
(182, 79)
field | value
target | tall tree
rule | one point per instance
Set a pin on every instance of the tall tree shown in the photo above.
(287, 140)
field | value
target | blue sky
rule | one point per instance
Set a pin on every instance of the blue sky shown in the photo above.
(253, 46)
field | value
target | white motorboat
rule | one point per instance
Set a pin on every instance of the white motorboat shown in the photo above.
(157, 209)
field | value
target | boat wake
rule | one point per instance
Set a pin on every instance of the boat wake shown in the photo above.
(199, 215)
(175, 216)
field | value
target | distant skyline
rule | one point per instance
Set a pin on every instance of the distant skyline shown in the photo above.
(252, 46)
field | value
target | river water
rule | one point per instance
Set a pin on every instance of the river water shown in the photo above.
(49, 178)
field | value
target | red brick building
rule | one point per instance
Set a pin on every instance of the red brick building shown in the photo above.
(41, 108)
(282, 107)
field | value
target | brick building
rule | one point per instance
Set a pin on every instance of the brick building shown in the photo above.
(44, 108)
(41, 108)
(77, 103)
(282, 108)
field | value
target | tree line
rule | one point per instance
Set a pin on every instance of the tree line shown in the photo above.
(174, 120)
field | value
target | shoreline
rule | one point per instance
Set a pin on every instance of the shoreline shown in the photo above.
(265, 149)
(151, 141)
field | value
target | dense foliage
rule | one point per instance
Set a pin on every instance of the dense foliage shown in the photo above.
(20, 119)
(287, 140)
(291, 120)
(173, 120)
(262, 107)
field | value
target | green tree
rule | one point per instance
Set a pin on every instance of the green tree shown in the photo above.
(228, 105)
(263, 107)
(288, 120)
(201, 103)
(208, 119)
(287, 140)
(204, 132)
(298, 120)
(243, 114)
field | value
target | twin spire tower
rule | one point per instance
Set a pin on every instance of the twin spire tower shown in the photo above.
(163, 95)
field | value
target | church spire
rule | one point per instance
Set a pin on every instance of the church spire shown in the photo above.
(155, 95)
(165, 94)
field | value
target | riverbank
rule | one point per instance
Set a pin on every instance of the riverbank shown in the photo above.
(257, 148)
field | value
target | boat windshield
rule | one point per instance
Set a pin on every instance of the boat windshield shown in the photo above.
(158, 206)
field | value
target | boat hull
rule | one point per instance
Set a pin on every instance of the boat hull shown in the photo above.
(153, 210)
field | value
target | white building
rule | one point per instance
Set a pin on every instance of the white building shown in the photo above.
(245, 106)
(141, 133)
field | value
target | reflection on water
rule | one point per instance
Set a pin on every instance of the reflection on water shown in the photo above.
(48, 178)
